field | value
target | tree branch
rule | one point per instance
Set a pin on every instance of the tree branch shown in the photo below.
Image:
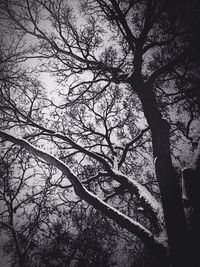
(124, 221)
(129, 145)
(167, 68)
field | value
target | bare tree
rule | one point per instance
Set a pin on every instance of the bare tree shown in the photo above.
(88, 239)
(24, 206)
(128, 96)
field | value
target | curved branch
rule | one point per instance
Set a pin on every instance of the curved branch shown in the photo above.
(124, 221)
(147, 199)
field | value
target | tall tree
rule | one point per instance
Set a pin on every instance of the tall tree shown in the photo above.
(128, 95)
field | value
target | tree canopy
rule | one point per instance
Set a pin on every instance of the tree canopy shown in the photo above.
(100, 104)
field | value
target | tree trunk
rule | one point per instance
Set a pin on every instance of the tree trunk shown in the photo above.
(167, 179)
(192, 189)
(170, 195)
